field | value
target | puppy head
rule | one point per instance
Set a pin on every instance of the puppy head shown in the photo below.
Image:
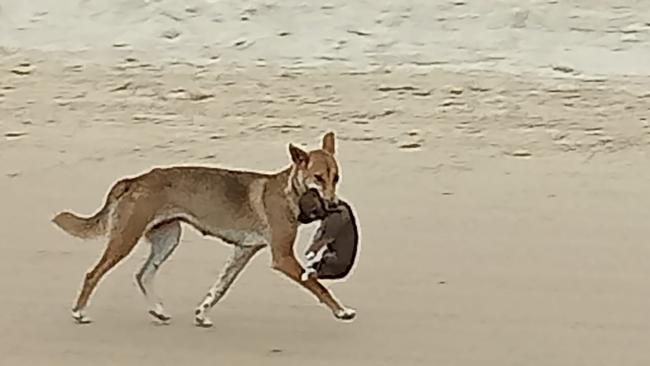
(311, 207)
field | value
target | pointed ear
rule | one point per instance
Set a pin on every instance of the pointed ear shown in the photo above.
(329, 143)
(298, 155)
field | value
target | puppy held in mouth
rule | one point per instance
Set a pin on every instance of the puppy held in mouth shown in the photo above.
(334, 247)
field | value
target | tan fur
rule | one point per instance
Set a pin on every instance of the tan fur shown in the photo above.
(94, 226)
(247, 209)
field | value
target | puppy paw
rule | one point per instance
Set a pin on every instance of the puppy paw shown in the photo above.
(307, 273)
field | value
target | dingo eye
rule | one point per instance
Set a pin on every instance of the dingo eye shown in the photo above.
(336, 178)
(319, 179)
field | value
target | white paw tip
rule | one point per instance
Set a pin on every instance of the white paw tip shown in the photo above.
(80, 317)
(346, 314)
(203, 323)
(160, 316)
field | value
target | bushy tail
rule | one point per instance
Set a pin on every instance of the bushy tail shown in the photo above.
(97, 224)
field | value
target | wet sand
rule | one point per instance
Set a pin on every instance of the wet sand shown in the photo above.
(496, 157)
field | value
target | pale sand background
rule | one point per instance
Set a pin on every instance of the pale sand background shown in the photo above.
(503, 204)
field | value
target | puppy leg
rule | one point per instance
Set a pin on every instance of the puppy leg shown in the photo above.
(318, 246)
(313, 260)
(164, 240)
(240, 257)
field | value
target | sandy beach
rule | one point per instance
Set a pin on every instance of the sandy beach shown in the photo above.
(496, 156)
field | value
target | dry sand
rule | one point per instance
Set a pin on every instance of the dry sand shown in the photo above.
(496, 154)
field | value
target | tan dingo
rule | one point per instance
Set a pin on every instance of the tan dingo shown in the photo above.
(249, 210)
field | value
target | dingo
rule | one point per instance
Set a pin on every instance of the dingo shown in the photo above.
(249, 210)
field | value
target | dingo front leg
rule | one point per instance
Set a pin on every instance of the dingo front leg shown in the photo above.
(240, 257)
(287, 264)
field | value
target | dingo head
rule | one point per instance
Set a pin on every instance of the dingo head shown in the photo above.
(317, 169)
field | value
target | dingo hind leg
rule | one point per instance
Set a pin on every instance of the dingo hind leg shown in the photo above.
(164, 239)
(129, 222)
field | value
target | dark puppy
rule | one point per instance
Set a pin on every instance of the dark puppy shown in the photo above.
(333, 250)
